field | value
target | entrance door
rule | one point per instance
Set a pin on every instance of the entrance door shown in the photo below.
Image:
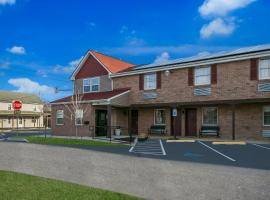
(176, 124)
(134, 122)
(191, 122)
(101, 122)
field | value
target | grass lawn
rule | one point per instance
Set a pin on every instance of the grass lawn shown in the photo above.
(64, 141)
(21, 186)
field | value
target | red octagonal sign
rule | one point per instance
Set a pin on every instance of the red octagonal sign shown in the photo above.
(17, 105)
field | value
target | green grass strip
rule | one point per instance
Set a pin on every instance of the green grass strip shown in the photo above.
(25, 187)
(66, 141)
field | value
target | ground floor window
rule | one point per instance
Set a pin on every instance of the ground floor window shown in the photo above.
(266, 116)
(20, 120)
(79, 117)
(9, 120)
(59, 117)
(159, 116)
(210, 116)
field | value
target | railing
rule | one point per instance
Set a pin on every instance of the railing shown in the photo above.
(115, 133)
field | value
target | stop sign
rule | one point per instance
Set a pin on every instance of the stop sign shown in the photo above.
(17, 105)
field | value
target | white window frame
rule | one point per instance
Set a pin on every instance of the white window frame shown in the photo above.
(81, 117)
(155, 116)
(264, 107)
(91, 80)
(196, 83)
(203, 116)
(20, 120)
(60, 118)
(146, 84)
(260, 68)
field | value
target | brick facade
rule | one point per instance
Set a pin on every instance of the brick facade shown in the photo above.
(233, 82)
(69, 128)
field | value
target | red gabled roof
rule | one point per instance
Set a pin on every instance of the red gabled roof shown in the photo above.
(112, 64)
(94, 96)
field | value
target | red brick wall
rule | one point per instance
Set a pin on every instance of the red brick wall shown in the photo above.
(69, 127)
(233, 82)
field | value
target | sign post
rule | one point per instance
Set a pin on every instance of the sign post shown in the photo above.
(174, 114)
(17, 106)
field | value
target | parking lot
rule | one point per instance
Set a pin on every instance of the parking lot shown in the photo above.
(251, 155)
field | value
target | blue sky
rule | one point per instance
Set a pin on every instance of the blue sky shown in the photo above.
(42, 41)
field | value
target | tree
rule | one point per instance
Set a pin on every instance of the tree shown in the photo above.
(76, 109)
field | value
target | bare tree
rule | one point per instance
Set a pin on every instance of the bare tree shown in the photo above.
(75, 107)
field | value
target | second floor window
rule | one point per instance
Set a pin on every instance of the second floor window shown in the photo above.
(264, 69)
(202, 75)
(91, 85)
(59, 117)
(150, 81)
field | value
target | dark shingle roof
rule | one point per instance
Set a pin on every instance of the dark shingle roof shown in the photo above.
(94, 96)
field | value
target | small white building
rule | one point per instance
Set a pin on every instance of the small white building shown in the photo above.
(31, 115)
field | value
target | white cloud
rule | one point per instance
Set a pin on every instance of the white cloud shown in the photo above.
(69, 68)
(7, 2)
(162, 58)
(218, 10)
(28, 86)
(43, 73)
(217, 27)
(17, 50)
(222, 7)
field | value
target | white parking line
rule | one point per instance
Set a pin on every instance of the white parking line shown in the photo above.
(231, 159)
(257, 145)
(163, 150)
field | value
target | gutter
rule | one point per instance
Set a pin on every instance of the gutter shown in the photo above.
(195, 63)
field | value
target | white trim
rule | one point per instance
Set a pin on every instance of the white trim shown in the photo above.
(259, 74)
(164, 116)
(144, 82)
(263, 115)
(118, 95)
(90, 79)
(217, 115)
(60, 118)
(195, 63)
(231, 159)
(101, 63)
(93, 101)
(194, 76)
(79, 66)
(82, 63)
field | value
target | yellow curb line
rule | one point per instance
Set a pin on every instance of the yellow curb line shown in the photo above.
(180, 141)
(230, 143)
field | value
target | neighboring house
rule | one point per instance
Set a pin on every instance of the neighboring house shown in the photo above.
(230, 90)
(31, 115)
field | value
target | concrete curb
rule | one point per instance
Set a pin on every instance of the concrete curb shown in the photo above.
(230, 143)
